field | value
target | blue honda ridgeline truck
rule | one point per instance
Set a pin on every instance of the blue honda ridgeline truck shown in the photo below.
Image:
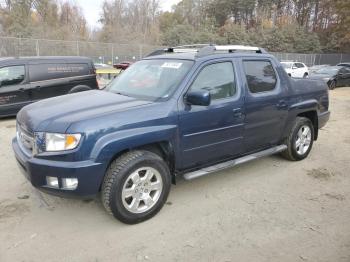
(180, 111)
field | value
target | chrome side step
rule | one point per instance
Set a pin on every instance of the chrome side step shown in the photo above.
(235, 162)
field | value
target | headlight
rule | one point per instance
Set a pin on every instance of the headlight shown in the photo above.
(60, 142)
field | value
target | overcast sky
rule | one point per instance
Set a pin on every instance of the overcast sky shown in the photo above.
(91, 9)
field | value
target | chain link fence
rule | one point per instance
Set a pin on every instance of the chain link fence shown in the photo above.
(110, 53)
(107, 53)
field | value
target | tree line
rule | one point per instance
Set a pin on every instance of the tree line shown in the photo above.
(278, 25)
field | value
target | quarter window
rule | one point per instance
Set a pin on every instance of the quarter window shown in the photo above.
(261, 76)
(12, 75)
(218, 79)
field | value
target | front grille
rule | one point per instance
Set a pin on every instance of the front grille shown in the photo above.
(25, 139)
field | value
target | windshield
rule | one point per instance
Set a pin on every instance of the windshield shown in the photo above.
(328, 71)
(151, 79)
(287, 65)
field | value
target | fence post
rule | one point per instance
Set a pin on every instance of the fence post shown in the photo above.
(112, 54)
(37, 47)
(77, 48)
(341, 57)
(140, 52)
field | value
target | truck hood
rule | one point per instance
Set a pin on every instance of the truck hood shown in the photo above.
(57, 114)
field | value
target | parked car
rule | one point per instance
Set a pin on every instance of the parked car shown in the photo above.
(197, 113)
(296, 69)
(346, 64)
(123, 65)
(334, 76)
(28, 79)
(105, 75)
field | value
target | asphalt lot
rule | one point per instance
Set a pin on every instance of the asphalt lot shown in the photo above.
(267, 210)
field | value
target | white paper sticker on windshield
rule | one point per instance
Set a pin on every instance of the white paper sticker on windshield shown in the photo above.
(172, 65)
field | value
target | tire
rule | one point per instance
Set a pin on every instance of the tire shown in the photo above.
(80, 88)
(295, 152)
(332, 85)
(306, 75)
(133, 202)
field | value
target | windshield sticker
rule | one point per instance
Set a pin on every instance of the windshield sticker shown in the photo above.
(172, 65)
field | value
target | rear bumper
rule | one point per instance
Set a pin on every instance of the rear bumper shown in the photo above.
(323, 119)
(88, 173)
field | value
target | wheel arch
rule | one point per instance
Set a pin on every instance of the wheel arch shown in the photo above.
(160, 140)
(79, 88)
(313, 117)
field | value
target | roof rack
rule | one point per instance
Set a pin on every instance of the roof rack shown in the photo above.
(201, 50)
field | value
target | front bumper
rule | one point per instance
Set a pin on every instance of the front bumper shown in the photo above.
(88, 173)
(323, 119)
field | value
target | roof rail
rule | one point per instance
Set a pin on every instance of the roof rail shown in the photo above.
(208, 49)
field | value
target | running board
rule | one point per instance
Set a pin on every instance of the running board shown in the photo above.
(235, 162)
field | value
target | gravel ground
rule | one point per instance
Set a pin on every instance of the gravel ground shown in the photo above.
(267, 210)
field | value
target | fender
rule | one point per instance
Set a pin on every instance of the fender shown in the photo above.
(299, 108)
(111, 144)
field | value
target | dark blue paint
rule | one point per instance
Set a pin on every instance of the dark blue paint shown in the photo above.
(197, 135)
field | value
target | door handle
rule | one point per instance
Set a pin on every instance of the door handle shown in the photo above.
(237, 112)
(282, 104)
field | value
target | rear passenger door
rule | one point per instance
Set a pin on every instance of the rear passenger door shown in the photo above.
(266, 104)
(214, 132)
(14, 89)
(49, 79)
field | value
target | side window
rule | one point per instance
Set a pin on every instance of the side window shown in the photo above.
(12, 75)
(299, 65)
(261, 76)
(218, 79)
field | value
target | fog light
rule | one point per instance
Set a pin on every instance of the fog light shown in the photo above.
(69, 183)
(52, 181)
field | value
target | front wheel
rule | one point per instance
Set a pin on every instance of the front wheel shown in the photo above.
(300, 140)
(136, 186)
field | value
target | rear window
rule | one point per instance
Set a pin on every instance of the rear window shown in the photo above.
(41, 72)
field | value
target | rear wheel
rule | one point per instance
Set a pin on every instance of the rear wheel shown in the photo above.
(306, 75)
(136, 186)
(300, 140)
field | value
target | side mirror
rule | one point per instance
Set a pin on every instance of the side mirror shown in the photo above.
(198, 98)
